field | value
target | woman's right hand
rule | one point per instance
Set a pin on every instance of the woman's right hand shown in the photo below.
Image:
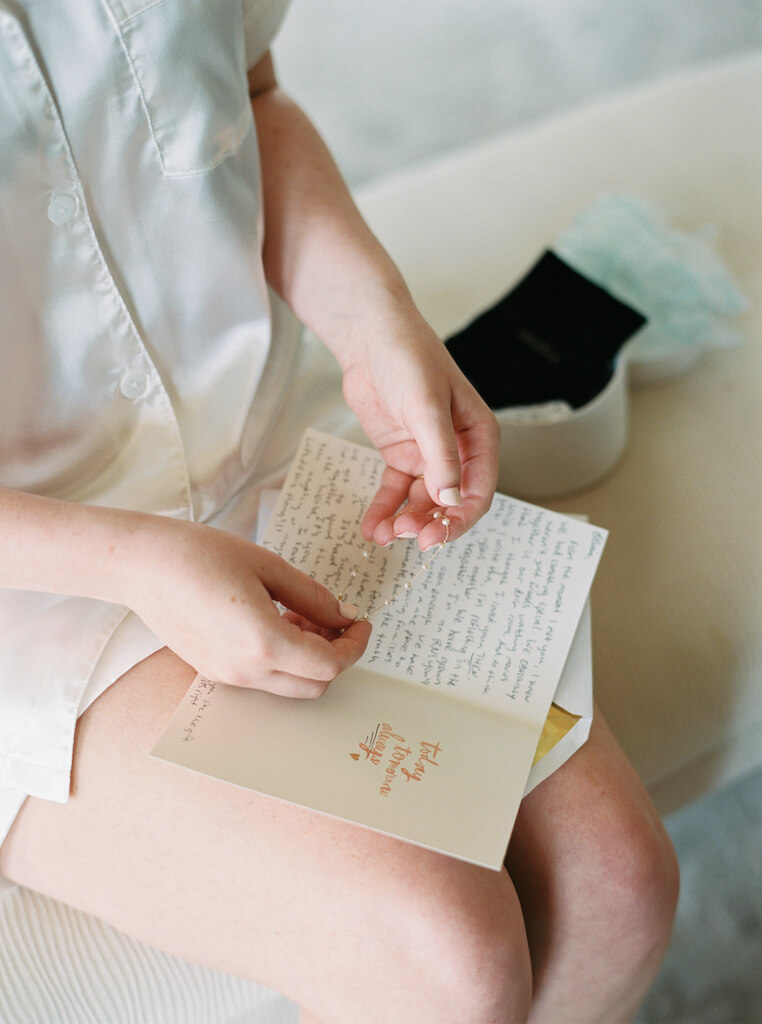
(210, 597)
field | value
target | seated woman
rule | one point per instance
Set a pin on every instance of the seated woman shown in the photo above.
(151, 191)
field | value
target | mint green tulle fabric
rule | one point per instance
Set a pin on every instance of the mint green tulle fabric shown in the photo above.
(625, 244)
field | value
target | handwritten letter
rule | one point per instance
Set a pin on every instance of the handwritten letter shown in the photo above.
(491, 621)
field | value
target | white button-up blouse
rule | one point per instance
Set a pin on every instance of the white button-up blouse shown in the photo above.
(142, 358)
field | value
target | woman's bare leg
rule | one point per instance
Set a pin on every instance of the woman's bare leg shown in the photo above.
(345, 922)
(597, 878)
(349, 924)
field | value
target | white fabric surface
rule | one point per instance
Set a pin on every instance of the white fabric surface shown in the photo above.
(59, 966)
(129, 205)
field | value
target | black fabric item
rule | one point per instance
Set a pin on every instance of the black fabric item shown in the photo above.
(554, 336)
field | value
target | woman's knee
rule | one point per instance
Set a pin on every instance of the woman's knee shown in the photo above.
(638, 880)
(655, 880)
(607, 855)
(470, 946)
(591, 859)
(448, 947)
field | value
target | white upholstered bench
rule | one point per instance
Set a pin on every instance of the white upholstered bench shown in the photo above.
(677, 616)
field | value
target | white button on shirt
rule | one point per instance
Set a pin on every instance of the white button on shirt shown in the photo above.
(143, 360)
(61, 208)
(134, 384)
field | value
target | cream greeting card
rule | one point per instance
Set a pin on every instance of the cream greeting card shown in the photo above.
(431, 736)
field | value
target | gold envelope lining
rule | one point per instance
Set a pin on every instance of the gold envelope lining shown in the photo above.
(558, 723)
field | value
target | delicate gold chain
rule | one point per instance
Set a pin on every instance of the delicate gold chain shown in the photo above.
(399, 588)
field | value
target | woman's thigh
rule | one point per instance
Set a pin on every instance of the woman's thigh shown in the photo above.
(598, 882)
(590, 829)
(335, 916)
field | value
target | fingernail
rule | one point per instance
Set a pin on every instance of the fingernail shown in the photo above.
(349, 611)
(449, 496)
(407, 536)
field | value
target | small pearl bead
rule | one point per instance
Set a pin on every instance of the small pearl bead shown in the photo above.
(437, 515)
(445, 521)
(365, 554)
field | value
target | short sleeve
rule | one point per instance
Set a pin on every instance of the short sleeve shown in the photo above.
(261, 21)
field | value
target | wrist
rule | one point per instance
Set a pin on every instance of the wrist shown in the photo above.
(139, 549)
(379, 315)
(62, 547)
(126, 548)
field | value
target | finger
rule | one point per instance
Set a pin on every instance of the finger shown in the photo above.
(392, 492)
(438, 444)
(478, 435)
(309, 627)
(299, 593)
(479, 453)
(414, 514)
(407, 520)
(347, 648)
(459, 520)
(424, 529)
(434, 524)
(351, 643)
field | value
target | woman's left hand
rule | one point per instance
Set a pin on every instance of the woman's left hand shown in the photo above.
(410, 397)
(438, 438)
